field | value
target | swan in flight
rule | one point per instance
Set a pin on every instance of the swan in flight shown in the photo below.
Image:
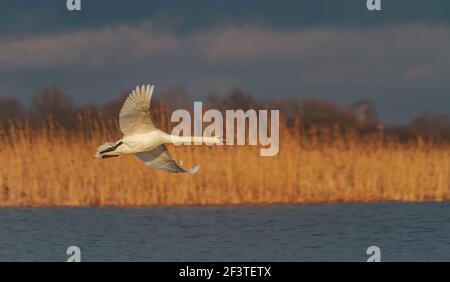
(143, 139)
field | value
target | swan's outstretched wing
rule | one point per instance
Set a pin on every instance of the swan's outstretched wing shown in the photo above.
(160, 158)
(134, 117)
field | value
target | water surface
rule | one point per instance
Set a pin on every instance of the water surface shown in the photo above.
(328, 232)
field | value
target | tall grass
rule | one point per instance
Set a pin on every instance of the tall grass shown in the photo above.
(56, 167)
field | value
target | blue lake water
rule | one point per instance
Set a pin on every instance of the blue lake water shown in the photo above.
(327, 232)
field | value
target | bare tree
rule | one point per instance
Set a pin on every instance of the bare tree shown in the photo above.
(112, 108)
(326, 113)
(432, 126)
(365, 113)
(52, 105)
(238, 99)
(213, 100)
(10, 109)
(175, 98)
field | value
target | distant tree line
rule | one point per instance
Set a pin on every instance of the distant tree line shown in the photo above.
(51, 106)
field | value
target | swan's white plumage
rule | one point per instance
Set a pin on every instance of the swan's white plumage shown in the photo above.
(160, 158)
(140, 136)
(134, 117)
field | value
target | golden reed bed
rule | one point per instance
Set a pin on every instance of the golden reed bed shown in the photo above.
(55, 168)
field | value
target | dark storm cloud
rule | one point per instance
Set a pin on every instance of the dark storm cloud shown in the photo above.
(329, 49)
(24, 17)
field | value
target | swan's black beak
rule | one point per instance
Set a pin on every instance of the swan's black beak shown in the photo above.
(108, 156)
(111, 149)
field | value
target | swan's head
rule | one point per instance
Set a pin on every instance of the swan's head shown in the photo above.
(106, 155)
(107, 150)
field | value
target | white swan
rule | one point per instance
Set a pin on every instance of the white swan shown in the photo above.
(143, 139)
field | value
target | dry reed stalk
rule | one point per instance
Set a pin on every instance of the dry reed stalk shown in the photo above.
(53, 167)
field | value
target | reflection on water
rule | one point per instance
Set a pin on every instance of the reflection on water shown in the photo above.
(329, 232)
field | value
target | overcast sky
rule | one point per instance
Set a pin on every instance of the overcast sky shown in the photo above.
(335, 50)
